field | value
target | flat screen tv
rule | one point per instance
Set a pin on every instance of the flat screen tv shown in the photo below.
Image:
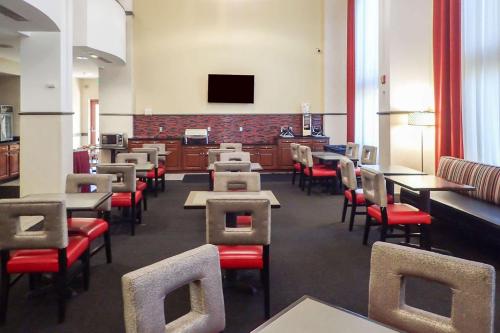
(224, 88)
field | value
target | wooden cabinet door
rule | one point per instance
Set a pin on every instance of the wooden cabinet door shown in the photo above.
(14, 161)
(192, 158)
(173, 161)
(267, 157)
(318, 144)
(4, 162)
(254, 153)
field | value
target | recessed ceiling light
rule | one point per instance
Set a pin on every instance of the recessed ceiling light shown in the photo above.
(82, 58)
(93, 56)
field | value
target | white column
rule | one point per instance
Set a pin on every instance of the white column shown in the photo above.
(116, 92)
(46, 107)
(335, 70)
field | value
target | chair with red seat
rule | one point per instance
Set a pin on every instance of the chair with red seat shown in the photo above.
(237, 156)
(92, 228)
(136, 158)
(389, 215)
(312, 173)
(125, 194)
(352, 150)
(162, 160)
(49, 250)
(230, 145)
(154, 175)
(214, 156)
(242, 248)
(353, 196)
(294, 150)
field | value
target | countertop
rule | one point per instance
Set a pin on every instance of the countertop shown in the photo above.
(9, 142)
(202, 143)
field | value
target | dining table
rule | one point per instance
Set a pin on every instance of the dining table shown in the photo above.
(312, 315)
(326, 156)
(253, 167)
(75, 201)
(198, 199)
(393, 170)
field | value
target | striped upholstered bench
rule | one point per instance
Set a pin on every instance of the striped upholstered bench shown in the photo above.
(478, 210)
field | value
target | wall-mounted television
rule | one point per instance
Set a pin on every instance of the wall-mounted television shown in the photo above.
(223, 88)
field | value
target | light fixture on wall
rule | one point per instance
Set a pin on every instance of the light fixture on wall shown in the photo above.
(421, 119)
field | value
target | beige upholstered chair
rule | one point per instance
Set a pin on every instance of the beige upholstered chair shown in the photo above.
(214, 154)
(352, 150)
(161, 149)
(31, 255)
(369, 155)
(353, 196)
(232, 167)
(125, 194)
(254, 239)
(136, 158)
(312, 174)
(238, 156)
(92, 228)
(386, 214)
(472, 285)
(235, 146)
(294, 150)
(237, 181)
(145, 289)
(157, 173)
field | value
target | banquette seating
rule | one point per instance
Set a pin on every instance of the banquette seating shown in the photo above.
(477, 213)
(46, 251)
(144, 292)
(473, 285)
(387, 215)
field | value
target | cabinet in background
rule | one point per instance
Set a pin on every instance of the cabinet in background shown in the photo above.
(9, 161)
(284, 155)
(173, 161)
(14, 160)
(4, 162)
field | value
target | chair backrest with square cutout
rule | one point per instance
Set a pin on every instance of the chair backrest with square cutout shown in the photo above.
(348, 174)
(374, 189)
(54, 233)
(126, 176)
(214, 154)
(306, 158)
(136, 158)
(103, 184)
(152, 154)
(145, 289)
(232, 166)
(238, 156)
(240, 181)
(259, 233)
(369, 155)
(352, 150)
(230, 145)
(473, 285)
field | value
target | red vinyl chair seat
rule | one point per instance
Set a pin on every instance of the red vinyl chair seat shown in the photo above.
(141, 186)
(320, 172)
(297, 167)
(400, 214)
(151, 173)
(47, 260)
(241, 256)
(244, 221)
(124, 199)
(357, 171)
(88, 227)
(360, 197)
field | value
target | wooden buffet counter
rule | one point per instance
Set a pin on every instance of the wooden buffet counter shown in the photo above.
(194, 158)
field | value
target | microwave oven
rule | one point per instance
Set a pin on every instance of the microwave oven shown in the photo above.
(113, 140)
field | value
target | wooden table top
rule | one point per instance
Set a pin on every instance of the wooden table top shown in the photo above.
(198, 199)
(253, 167)
(144, 167)
(310, 315)
(394, 170)
(428, 183)
(75, 201)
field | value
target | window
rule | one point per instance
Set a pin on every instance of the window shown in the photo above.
(481, 80)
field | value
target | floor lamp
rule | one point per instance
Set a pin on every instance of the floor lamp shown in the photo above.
(421, 119)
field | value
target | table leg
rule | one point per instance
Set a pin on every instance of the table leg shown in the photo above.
(389, 187)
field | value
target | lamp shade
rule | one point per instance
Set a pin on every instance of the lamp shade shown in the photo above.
(424, 118)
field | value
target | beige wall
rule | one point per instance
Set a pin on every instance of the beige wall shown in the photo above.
(178, 43)
(9, 67)
(84, 90)
(10, 94)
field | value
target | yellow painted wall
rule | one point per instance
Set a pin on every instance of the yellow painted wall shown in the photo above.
(177, 43)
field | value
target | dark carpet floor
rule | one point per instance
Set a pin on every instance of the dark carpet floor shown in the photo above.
(312, 253)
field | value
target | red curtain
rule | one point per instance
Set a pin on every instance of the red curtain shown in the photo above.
(447, 78)
(351, 70)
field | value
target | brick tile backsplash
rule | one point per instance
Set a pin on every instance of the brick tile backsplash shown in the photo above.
(224, 128)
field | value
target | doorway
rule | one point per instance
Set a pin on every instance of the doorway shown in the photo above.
(94, 121)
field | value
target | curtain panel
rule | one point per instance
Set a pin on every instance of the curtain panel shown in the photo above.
(447, 78)
(351, 70)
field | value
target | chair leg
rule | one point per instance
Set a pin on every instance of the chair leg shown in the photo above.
(86, 269)
(266, 282)
(133, 216)
(367, 229)
(163, 183)
(61, 285)
(383, 232)
(4, 286)
(353, 214)
(309, 186)
(407, 233)
(425, 237)
(294, 174)
(344, 209)
(107, 245)
(145, 199)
